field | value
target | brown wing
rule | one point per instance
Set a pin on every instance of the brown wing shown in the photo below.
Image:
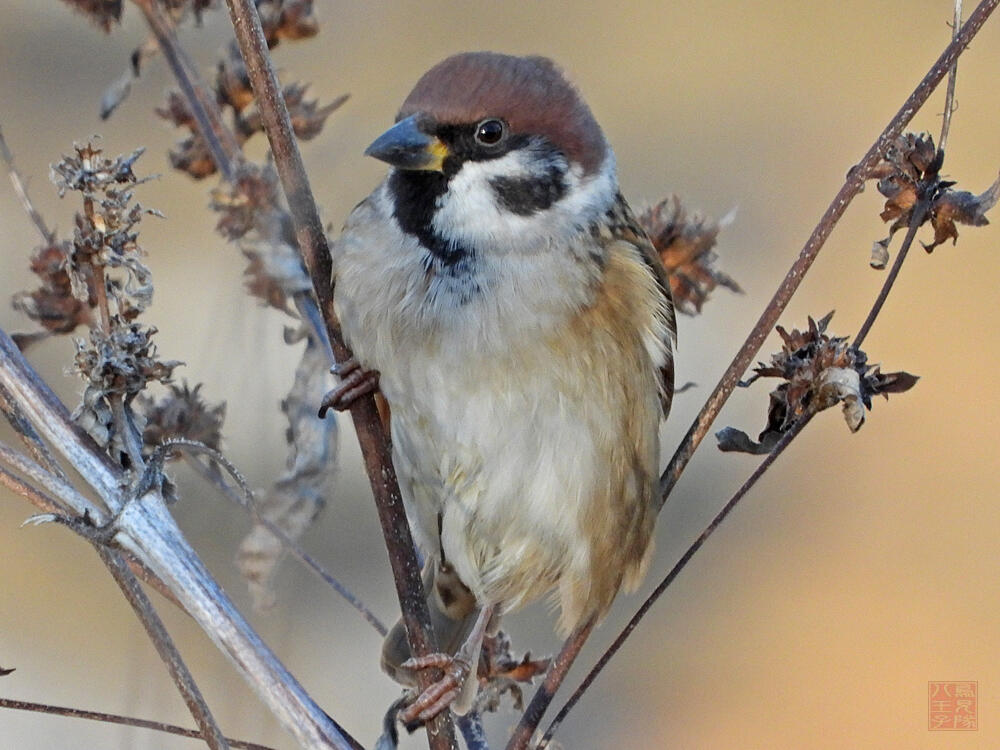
(622, 225)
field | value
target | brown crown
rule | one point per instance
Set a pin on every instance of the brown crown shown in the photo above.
(530, 93)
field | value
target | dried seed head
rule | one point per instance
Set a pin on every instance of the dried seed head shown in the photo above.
(907, 174)
(819, 371)
(287, 19)
(182, 414)
(53, 305)
(685, 246)
(192, 156)
(104, 13)
(243, 205)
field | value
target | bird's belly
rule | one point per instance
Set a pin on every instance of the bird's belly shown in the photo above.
(519, 478)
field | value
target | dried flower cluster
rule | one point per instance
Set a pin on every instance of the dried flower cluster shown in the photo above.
(182, 414)
(106, 276)
(819, 371)
(251, 213)
(233, 95)
(103, 13)
(685, 247)
(909, 173)
(53, 305)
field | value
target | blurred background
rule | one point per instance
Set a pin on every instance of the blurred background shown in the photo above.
(860, 568)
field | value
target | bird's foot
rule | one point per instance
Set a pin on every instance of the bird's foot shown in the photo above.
(441, 694)
(355, 382)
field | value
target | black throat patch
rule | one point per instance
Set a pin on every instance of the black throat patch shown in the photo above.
(414, 199)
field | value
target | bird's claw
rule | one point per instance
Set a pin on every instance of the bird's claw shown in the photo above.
(355, 382)
(441, 694)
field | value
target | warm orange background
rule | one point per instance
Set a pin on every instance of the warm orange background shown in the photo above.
(861, 568)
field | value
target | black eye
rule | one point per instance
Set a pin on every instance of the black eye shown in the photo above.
(491, 132)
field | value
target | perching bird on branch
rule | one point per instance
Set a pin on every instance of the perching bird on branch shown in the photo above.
(519, 324)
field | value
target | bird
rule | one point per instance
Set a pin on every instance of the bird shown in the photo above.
(497, 291)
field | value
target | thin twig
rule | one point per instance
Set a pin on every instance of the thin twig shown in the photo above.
(34, 495)
(371, 435)
(851, 187)
(949, 99)
(547, 690)
(129, 721)
(48, 504)
(212, 475)
(123, 575)
(779, 447)
(29, 436)
(21, 188)
(165, 647)
(68, 496)
(221, 142)
(916, 219)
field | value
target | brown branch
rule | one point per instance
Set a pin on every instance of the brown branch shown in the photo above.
(129, 721)
(371, 435)
(21, 188)
(916, 219)
(547, 690)
(779, 447)
(220, 140)
(852, 186)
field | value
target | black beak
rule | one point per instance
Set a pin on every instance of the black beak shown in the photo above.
(405, 146)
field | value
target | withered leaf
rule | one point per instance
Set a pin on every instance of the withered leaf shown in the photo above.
(909, 173)
(684, 245)
(818, 371)
(962, 207)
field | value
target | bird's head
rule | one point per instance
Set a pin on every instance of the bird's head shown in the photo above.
(493, 153)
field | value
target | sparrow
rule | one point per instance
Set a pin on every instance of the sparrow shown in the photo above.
(516, 319)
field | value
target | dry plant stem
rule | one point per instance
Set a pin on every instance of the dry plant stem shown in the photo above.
(779, 447)
(852, 186)
(119, 569)
(165, 647)
(212, 475)
(157, 726)
(21, 189)
(949, 98)
(220, 140)
(917, 218)
(547, 690)
(371, 436)
(124, 425)
(48, 472)
(145, 528)
(69, 500)
(36, 446)
(34, 495)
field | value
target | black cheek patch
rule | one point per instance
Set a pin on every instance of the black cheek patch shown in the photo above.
(525, 196)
